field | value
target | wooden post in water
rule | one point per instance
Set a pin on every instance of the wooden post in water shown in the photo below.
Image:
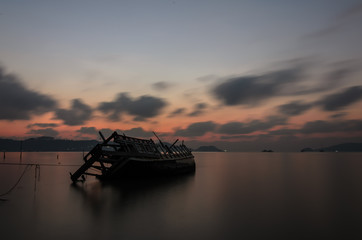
(21, 149)
(4, 154)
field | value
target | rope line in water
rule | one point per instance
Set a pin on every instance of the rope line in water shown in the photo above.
(37, 173)
(17, 182)
(41, 164)
(37, 176)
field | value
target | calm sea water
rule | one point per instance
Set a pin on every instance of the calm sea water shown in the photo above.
(230, 196)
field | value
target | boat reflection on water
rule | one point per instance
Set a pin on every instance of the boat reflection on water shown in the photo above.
(114, 197)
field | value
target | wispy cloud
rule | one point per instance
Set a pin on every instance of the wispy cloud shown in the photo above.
(339, 115)
(233, 128)
(177, 112)
(208, 78)
(344, 98)
(253, 90)
(199, 109)
(331, 102)
(347, 17)
(337, 75)
(161, 86)
(42, 125)
(294, 108)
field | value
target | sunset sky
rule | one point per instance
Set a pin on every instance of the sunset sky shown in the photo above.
(240, 75)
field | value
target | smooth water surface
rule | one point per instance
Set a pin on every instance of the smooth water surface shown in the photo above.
(230, 196)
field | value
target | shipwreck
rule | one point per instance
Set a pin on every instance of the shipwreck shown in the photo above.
(120, 156)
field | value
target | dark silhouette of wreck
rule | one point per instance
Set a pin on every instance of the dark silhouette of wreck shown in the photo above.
(121, 156)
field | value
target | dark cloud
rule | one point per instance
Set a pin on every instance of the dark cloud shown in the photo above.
(294, 108)
(44, 132)
(161, 86)
(78, 114)
(19, 103)
(196, 129)
(342, 99)
(142, 108)
(321, 126)
(238, 137)
(139, 119)
(138, 132)
(232, 128)
(177, 112)
(134, 132)
(42, 125)
(199, 109)
(106, 132)
(88, 130)
(252, 90)
(284, 131)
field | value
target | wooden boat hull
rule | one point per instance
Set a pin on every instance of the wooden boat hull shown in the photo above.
(121, 156)
(144, 168)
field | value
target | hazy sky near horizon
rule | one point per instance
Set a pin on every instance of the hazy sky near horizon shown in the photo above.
(239, 74)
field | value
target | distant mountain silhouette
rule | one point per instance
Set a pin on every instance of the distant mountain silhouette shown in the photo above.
(308, 149)
(267, 150)
(50, 144)
(208, 149)
(46, 144)
(344, 147)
